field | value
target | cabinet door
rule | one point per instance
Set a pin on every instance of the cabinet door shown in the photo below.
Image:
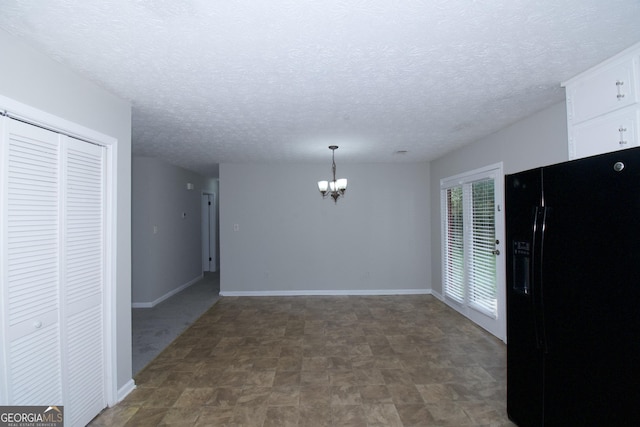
(615, 131)
(603, 91)
(83, 280)
(30, 264)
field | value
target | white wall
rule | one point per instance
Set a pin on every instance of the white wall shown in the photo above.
(290, 239)
(33, 79)
(538, 140)
(169, 260)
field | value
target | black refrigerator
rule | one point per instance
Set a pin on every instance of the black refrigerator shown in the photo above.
(573, 292)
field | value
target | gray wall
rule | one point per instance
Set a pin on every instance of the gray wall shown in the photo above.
(538, 140)
(171, 258)
(35, 80)
(290, 239)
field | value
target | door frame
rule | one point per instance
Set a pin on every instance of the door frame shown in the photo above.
(209, 231)
(495, 171)
(37, 117)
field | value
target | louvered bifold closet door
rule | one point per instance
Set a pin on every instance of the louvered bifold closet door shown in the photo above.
(83, 280)
(30, 264)
(52, 300)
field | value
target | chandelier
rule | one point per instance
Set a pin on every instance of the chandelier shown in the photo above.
(336, 187)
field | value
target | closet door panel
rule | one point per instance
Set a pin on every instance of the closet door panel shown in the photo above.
(32, 221)
(33, 360)
(84, 223)
(83, 284)
(86, 370)
(31, 296)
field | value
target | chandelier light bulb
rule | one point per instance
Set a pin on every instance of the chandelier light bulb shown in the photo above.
(323, 186)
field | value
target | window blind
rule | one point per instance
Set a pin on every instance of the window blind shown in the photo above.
(481, 243)
(454, 244)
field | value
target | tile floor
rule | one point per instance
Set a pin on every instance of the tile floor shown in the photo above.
(322, 361)
(153, 329)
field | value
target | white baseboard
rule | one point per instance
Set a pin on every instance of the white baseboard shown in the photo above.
(125, 390)
(325, 292)
(167, 295)
(437, 295)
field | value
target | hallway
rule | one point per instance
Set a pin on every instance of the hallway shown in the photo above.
(153, 329)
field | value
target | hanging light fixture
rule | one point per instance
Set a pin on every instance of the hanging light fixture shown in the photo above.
(336, 187)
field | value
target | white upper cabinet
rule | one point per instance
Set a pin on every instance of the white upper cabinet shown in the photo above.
(605, 90)
(609, 132)
(603, 106)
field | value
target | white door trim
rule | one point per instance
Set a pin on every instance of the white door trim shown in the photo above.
(26, 113)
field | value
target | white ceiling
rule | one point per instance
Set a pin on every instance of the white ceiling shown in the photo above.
(280, 80)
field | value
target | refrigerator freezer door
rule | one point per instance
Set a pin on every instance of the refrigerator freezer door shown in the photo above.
(591, 292)
(523, 193)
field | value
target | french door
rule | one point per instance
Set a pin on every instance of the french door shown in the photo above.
(472, 232)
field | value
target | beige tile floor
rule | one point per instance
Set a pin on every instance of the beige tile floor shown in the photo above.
(323, 361)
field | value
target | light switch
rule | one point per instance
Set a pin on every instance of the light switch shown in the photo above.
(155, 229)
(236, 227)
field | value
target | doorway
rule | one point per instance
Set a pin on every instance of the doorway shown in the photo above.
(472, 236)
(209, 233)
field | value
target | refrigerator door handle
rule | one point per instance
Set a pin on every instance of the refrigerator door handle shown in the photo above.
(534, 275)
(545, 341)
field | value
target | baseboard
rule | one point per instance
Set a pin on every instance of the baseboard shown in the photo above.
(167, 295)
(126, 389)
(325, 292)
(437, 295)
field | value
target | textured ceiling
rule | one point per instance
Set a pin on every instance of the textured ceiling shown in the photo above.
(278, 81)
